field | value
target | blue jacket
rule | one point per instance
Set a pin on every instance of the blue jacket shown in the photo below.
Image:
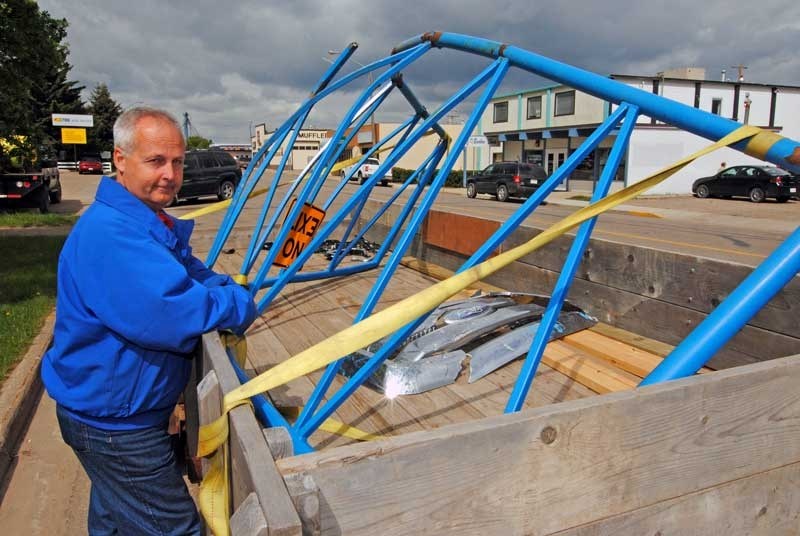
(132, 302)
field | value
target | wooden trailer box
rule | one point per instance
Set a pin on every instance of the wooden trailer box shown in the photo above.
(590, 454)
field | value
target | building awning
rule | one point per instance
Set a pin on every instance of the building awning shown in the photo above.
(502, 137)
(572, 133)
(546, 134)
(523, 135)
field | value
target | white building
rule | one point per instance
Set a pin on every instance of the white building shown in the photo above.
(544, 125)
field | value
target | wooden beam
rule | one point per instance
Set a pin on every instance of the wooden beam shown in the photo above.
(765, 504)
(562, 466)
(252, 466)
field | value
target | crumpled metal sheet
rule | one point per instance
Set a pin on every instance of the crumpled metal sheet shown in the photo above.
(482, 333)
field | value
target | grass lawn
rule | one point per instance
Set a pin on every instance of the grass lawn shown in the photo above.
(35, 219)
(27, 292)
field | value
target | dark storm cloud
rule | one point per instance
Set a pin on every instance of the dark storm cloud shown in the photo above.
(230, 64)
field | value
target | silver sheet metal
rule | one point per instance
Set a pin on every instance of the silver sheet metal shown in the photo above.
(482, 333)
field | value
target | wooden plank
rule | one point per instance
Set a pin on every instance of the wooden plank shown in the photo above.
(596, 374)
(252, 466)
(565, 465)
(625, 356)
(688, 281)
(650, 317)
(634, 339)
(766, 504)
(248, 519)
(305, 495)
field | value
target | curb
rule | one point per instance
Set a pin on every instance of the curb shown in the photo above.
(19, 397)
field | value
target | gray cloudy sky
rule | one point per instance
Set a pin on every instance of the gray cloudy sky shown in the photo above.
(230, 64)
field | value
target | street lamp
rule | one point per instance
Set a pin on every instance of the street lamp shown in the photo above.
(369, 79)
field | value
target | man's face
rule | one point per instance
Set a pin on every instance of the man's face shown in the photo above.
(153, 170)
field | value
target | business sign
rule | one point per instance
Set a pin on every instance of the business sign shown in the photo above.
(73, 135)
(478, 140)
(73, 120)
(306, 224)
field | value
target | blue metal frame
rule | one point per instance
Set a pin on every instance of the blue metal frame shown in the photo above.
(574, 257)
(688, 357)
(694, 120)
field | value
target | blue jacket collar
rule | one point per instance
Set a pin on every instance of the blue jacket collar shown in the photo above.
(113, 194)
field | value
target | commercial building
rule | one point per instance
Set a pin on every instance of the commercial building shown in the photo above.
(546, 124)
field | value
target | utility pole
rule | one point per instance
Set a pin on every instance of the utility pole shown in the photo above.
(186, 126)
(741, 69)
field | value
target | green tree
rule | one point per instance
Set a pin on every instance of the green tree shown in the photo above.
(33, 68)
(198, 142)
(105, 111)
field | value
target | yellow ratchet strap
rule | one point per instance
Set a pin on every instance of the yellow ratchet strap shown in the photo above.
(213, 435)
(216, 207)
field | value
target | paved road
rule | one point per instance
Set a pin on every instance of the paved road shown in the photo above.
(731, 230)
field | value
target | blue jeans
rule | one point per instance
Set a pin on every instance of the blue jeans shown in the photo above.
(137, 487)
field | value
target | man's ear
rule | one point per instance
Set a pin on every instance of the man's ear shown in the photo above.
(119, 160)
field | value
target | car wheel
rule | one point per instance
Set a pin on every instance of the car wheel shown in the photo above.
(782, 199)
(44, 200)
(756, 195)
(360, 178)
(702, 191)
(226, 189)
(502, 193)
(472, 191)
(55, 197)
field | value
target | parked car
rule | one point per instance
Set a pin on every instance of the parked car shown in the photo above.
(756, 182)
(209, 173)
(507, 179)
(90, 164)
(366, 170)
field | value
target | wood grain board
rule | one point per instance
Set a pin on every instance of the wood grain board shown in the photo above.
(304, 314)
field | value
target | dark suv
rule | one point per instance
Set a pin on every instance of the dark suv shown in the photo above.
(506, 179)
(209, 173)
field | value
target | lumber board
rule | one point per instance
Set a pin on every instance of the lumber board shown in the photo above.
(765, 504)
(633, 339)
(252, 466)
(625, 356)
(596, 374)
(562, 466)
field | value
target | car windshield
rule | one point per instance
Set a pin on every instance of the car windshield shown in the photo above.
(373, 161)
(775, 171)
(90, 159)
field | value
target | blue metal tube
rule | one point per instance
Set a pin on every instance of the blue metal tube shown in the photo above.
(316, 176)
(272, 144)
(407, 124)
(500, 69)
(252, 252)
(326, 274)
(574, 257)
(400, 220)
(262, 239)
(267, 414)
(389, 162)
(707, 125)
(415, 104)
(731, 315)
(380, 285)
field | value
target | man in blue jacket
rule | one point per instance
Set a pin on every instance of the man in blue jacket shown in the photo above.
(132, 303)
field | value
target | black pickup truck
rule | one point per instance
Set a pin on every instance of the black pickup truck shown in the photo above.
(33, 189)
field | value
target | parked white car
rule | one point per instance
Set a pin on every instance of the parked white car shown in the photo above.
(367, 169)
